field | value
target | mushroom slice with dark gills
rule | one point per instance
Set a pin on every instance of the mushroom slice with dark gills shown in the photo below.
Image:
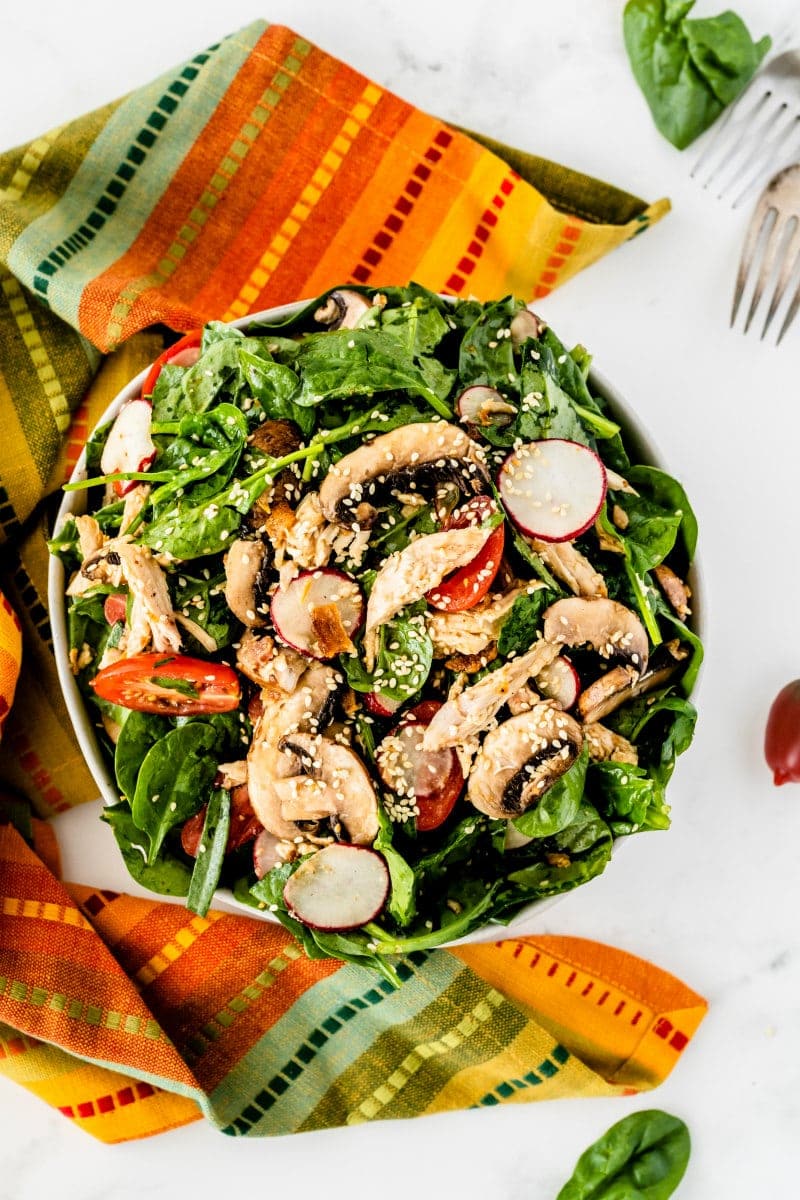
(339, 787)
(246, 582)
(609, 627)
(607, 693)
(408, 459)
(343, 309)
(306, 710)
(470, 712)
(520, 759)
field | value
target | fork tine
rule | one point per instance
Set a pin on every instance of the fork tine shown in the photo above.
(773, 241)
(761, 137)
(733, 120)
(754, 232)
(790, 314)
(790, 139)
(791, 259)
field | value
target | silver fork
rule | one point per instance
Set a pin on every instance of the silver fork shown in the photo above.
(757, 134)
(772, 247)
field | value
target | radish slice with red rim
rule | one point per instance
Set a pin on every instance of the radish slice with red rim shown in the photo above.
(298, 609)
(129, 446)
(430, 780)
(339, 887)
(380, 705)
(553, 489)
(560, 682)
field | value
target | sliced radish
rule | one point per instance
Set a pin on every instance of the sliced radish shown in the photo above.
(560, 682)
(380, 705)
(525, 325)
(431, 780)
(298, 608)
(482, 406)
(553, 489)
(129, 446)
(339, 887)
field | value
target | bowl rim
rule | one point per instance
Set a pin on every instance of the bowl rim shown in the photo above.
(74, 503)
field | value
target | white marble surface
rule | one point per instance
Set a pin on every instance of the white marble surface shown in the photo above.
(717, 899)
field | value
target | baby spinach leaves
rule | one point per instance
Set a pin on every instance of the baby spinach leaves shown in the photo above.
(166, 873)
(689, 70)
(559, 805)
(210, 852)
(404, 658)
(642, 1157)
(173, 781)
(523, 624)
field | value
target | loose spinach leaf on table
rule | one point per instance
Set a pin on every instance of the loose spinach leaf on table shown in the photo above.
(689, 70)
(642, 1157)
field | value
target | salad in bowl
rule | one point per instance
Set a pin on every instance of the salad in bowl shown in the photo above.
(379, 619)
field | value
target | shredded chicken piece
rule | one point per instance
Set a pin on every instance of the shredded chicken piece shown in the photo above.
(570, 566)
(607, 746)
(471, 631)
(90, 536)
(151, 617)
(477, 705)
(676, 591)
(409, 573)
(135, 501)
(523, 700)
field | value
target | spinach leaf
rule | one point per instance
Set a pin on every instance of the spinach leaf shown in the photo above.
(216, 376)
(688, 70)
(665, 491)
(523, 624)
(534, 561)
(679, 628)
(174, 781)
(556, 864)
(485, 356)
(628, 797)
(210, 852)
(419, 325)
(458, 845)
(403, 661)
(363, 362)
(402, 904)
(203, 601)
(642, 1157)
(166, 874)
(559, 805)
(547, 410)
(65, 545)
(138, 735)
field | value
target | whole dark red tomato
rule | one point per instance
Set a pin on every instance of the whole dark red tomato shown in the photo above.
(782, 738)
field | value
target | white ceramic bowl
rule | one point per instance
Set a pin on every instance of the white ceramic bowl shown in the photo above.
(74, 503)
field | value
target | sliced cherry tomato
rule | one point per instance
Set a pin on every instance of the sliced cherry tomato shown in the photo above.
(433, 776)
(115, 607)
(469, 584)
(169, 683)
(184, 353)
(244, 825)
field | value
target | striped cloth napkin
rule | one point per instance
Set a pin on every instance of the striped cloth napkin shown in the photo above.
(260, 171)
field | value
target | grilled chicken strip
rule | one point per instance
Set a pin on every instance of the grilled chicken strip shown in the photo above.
(472, 630)
(468, 714)
(570, 566)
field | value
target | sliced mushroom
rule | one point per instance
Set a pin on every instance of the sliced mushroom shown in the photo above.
(343, 309)
(664, 665)
(570, 566)
(521, 759)
(346, 778)
(609, 627)
(676, 591)
(607, 746)
(407, 459)
(306, 710)
(245, 590)
(465, 715)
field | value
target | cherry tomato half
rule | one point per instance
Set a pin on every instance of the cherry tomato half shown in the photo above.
(184, 353)
(467, 586)
(173, 684)
(434, 776)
